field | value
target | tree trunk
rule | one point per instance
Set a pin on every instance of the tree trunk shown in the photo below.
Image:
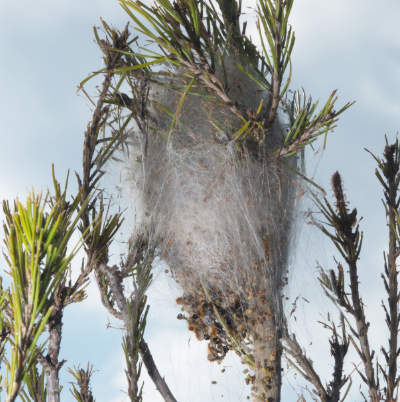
(51, 364)
(265, 329)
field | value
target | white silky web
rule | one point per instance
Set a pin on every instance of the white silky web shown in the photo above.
(218, 213)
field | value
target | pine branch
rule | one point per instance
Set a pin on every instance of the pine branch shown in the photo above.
(114, 280)
(304, 365)
(81, 389)
(388, 174)
(347, 238)
(101, 227)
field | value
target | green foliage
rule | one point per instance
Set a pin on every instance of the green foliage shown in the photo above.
(307, 124)
(102, 229)
(189, 36)
(36, 235)
(195, 36)
(137, 310)
(273, 25)
(35, 384)
(186, 47)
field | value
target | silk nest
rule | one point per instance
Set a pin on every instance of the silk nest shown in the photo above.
(219, 212)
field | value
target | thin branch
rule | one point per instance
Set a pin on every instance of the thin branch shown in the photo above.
(388, 174)
(348, 240)
(114, 282)
(81, 389)
(294, 349)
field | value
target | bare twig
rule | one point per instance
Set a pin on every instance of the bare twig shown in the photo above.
(115, 284)
(306, 368)
(348, 240)
(81, 390)
(331, 392)
(102, 228)
(388, 174)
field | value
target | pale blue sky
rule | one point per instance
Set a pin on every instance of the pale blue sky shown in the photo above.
(47, 48)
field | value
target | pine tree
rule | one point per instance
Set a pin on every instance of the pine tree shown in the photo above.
(215, 136)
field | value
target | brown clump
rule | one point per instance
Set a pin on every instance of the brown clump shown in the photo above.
(216, 322)
(242, 321)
